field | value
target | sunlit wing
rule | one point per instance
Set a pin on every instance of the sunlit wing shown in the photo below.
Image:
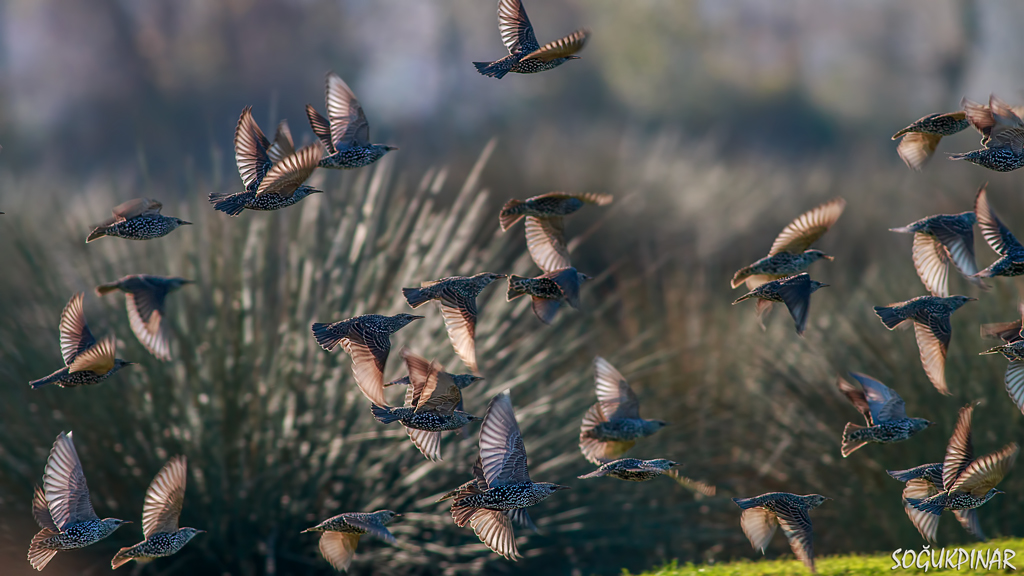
(165, 498)
(801, 233)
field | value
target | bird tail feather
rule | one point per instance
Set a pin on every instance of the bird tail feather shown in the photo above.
(106, 288)
(121, 558)
(508, 217)
(384, 414)
(513, 290)
(745, 503)
(889, 316)
(39, 556)
(227, 202)
(934, 505)
(416, 297)
(39, 383)
(741, 275)
(325, 337)
(902, 230)
(850, 444)
(594, 474)
(489, 69)
(98, 232)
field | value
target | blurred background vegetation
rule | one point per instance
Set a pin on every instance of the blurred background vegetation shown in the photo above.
(714, 123)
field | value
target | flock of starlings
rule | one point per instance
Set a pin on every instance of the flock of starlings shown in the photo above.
(274, 173)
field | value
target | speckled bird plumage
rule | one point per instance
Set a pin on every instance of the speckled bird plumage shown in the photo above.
(548, 291)
(526, 55)
(138, 219)
(1012, 350)
(1002, 135)
(63, 509)
(456, 296)
(763, 514)
(612, 425)
(794, 291)
(884, 412)
(339, 535)
(932, 329)
(967, 482)
(345, 133)
(636, 470)
(145, 297)
(939, 240)
(502, 486)
(87, 361)
(920, 139)
(1000, 239)
(923, 482)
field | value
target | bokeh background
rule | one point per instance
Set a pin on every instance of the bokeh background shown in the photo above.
(714, 123)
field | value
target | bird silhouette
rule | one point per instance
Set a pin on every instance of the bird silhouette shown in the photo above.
(339, 535)
(923, 482)
(613, 425)
(883, 410)
(144, 297)
(763, 514)
(345, 133)
(138, 219)
(795, 292)
(919, 140)
(525, 54)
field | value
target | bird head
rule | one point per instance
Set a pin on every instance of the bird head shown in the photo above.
(816, 500)
(386, 516)
(489, 276)
(114, 523)
(118, 364)
(583, 277)
(918, 424)
(405, 319)
(181, 222)
(175, 283)
(463, 380)
(815, 285)
(817, 255)
(654, 425)
(662, 463)
(549, 488)
(957, 301)
(387, 148)
(190, 533)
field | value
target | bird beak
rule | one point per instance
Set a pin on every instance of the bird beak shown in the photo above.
(130, 363)
(572, 57)
(827, 257)
(188, 281)
(391, 148)
(560, 487)
(198, 531)
(998, 491)
(183, 223)
(497, 276)
(315, 191)
(823, 285)
(398, 515)
(478, 378)
(306, 530)
(971, 299)
(414, 317)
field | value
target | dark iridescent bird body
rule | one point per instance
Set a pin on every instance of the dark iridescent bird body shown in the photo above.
(138, 219)
(158, 545)
(526, 56)
(345, 132)
(1000, 239)
(367, 339)
(145, 297)
(782, 264)
(63, 509)
(932, 328)
(967, 482)
(271, 173)
(795, 292)
(1012, 350)
(87, 361)
(429, 421)
(920, 139)
(457, 297)
(1002, 135)
(612, 425)
(375, 325)
(623, 429)
(762, 514)
(941, 239)
(340, 534)
(632, 469)
(548, 291)
(884, 412)
(925, 481)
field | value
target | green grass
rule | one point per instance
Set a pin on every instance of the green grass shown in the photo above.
(841, 565)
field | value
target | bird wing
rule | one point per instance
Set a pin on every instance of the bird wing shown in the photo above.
(67, 494)
(545, 239)
(587, 197)
(993, 230)
(521, 517)
(369, 351)
(596, 451)
(98, 359)
(136, 207)
(428, 443)
(321, 127)
(41, 512)
(444, 399)
(796, 525)
(858, 398)
(932, 343)
(145, 315)
(422, 377)
(960, 450)
(759, 526)
(931, 260)
(614, 393)
(494, 529)
(338, 548)
(1015, 383)
(917, 148)
(979, 116)
(164, 498)
(691, 484)
(283, 145)
(984, 473)
(250, 150)
(459, 313)
(1008, 332)
(561, 48)
(568, 281)
(925, 522)
(348, 123)
(1007, 129)
(799, 234)
(75, 336)
(545, 309)
(796, 294)
(288, 174)
(959, 245)
(502, 453)
(969, 520)
(885, 403)
(372, 526)
(515, 28)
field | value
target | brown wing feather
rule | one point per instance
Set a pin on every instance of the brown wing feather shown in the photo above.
(801, 233)
(561, 48)
(75, 336)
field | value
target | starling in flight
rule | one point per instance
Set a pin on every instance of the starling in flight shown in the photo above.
(636, 470)
(345, 133)
(545, 224)
(138, 219)
(1002, 135)
(790, 253)
(273, 174)
(612, 426)
(1008, 332)
(967, 483)
(795, 292)
(525, 54)
(367, 339)
(763, 514)
(999, 237)
(457, 297)
(1012, 350)
(431, 403)
(939, 240)
(921, 138)
(923, 482)
(144, 297)
(502, 489)
(164, 500)
(884, 411)
(340, 534)
(87, 361)
(62, 507)
(548, 291)
(930, 315)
